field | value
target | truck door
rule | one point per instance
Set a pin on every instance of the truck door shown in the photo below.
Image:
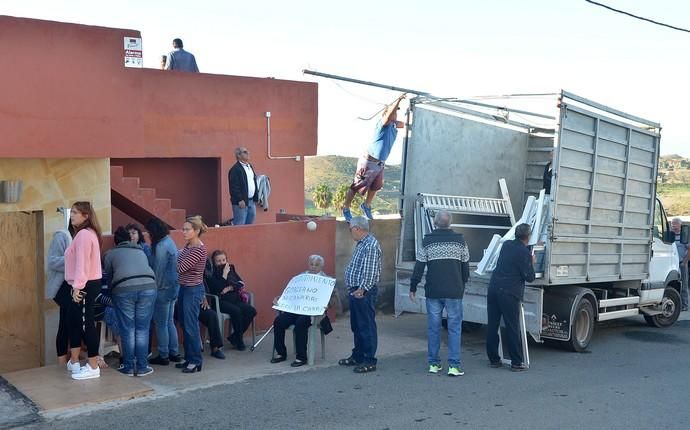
(603, 192)
(664, 256)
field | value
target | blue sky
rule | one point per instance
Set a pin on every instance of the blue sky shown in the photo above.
(450, 48)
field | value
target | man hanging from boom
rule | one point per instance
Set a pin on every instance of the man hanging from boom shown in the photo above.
(369, 175)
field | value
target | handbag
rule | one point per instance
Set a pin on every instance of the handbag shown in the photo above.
(325, 325)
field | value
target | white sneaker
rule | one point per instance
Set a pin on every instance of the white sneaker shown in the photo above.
(73, 367)
(87, 372)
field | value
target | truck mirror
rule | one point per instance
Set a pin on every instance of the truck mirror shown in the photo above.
(685, 234)
(669, 236)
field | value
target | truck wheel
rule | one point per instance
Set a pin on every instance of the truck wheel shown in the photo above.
(583, 326)
(670, 310)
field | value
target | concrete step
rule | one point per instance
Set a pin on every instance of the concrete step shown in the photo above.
(161, 207)
(175, 218)
(128, 187)
(116, 174)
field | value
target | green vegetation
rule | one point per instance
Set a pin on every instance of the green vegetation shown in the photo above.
(322, 197)
(336, 172)
(673, 184)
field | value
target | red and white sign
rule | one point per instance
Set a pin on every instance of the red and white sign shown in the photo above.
(133, 52)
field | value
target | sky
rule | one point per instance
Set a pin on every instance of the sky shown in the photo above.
(449, 48)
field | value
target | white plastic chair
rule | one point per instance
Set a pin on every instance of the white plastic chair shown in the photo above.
(226, 317)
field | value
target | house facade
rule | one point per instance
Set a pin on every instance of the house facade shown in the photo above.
(76, 124)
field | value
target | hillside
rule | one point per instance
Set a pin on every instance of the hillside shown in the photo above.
(336, 170)
(673, 184)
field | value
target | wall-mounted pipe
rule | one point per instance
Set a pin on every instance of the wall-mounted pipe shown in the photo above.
(268, 139)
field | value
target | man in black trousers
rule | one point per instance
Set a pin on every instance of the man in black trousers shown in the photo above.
(515, 266)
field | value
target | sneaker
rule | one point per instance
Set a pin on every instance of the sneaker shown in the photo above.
(87, 372)
(495, 364)
(175, 358)
(518, 368)
(347, 214)
(455, 371)
(435, 368)
(73, 367)
(367, 210)
(145, 371)
(126, 372)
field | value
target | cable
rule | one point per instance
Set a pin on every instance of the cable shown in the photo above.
(638, 17)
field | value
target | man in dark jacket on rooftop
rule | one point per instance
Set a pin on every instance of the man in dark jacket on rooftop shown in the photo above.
(515, 266)
(446, 258)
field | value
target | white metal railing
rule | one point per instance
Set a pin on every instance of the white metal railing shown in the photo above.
(465, 205)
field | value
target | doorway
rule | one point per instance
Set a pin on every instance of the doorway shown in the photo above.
(21, 290)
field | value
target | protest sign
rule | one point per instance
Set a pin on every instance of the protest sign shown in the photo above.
(306, 294)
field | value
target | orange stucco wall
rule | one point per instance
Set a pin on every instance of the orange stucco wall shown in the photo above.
(267, 264)
(67, 94)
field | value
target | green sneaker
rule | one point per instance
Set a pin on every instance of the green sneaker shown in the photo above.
(455, 371)
(435, 368)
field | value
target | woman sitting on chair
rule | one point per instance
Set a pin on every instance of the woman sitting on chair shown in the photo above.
(301, 322)
(227, 285)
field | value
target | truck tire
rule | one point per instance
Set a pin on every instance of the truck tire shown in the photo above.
(670, 310)
(582, 326)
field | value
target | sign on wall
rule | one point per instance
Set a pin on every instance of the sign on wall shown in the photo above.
(133, 52)
(306, 294)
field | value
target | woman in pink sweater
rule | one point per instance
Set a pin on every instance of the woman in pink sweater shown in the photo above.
(83, 272)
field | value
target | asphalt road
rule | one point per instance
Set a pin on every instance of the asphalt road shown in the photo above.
(635, 377)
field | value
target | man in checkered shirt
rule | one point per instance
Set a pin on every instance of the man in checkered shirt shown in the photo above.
(361, 277)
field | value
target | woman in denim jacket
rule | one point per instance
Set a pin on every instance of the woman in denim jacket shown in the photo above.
(164, 263)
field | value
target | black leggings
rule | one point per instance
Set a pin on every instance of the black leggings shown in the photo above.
(69, 326)
(241, 315)
(84, 322)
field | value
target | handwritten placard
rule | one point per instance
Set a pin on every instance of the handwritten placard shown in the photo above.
(306, 294)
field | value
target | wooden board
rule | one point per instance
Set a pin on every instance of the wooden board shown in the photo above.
(21, 290)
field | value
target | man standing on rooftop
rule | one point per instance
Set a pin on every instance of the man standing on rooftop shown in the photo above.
(181, 60)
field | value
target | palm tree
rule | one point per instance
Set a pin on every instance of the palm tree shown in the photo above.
(339, 199)
(322, 196)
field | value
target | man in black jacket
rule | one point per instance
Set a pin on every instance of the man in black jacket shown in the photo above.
(515, 266)
(446, 257)
(243, 190)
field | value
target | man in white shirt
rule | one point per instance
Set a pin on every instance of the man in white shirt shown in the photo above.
(243, 195)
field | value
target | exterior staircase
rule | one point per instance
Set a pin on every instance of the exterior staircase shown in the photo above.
(141, 203)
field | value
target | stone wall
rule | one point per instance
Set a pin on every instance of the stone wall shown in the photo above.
(387, 232)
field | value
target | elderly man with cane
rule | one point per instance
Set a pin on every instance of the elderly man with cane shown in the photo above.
(361, 277)
(515, 266)
(446, 258)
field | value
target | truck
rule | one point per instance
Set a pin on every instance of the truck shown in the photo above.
(603, 240)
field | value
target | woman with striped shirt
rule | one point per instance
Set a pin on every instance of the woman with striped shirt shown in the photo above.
(191, 261)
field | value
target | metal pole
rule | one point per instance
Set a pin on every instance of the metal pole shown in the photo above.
(359, 81)
(422, 93)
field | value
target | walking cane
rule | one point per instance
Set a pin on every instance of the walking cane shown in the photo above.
(253, 347)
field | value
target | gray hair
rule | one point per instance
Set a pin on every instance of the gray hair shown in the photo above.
(360, 222)
(442, 219)
(238, 151)
(676, 220)
(523, 231)
(316, 259)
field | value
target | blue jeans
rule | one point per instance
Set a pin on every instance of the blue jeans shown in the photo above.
(134, 311)
(190, 304)
(363, 325)
(244, 216)
(434, 311)
(166, 332)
